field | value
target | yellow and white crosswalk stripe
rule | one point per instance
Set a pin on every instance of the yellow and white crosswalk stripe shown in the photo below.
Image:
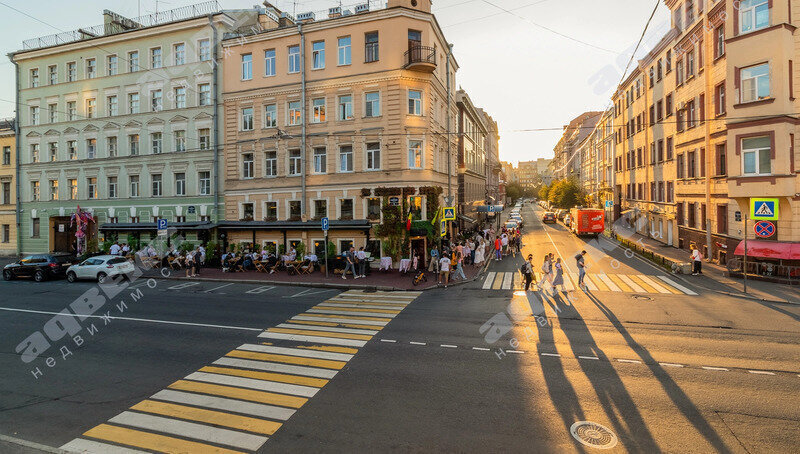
(598, 282)
(236, 403)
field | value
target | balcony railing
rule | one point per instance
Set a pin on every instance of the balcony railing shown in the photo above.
(421, 58)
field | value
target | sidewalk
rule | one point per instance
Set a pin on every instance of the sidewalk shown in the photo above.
(714, 276)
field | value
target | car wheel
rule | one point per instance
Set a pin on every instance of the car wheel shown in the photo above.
(39, 276)
(8, 275)
(101, 277)
(71, 277)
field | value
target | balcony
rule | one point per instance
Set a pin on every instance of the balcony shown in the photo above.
(421, 58)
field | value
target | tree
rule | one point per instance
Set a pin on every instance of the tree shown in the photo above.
(566, 194)
(544, 193)
(514, 191)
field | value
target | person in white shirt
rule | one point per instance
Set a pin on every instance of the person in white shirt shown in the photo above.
(114, 249)
(697, 261)
(504, 242)
(125, 249)
(292, 255)
(264, 255)
(444, 270)
(202, 254)
(362, 262)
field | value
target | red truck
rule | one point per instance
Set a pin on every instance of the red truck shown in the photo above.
(587, 221)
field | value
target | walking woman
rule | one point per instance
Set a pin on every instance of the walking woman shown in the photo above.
(547, 269)
(559, 279)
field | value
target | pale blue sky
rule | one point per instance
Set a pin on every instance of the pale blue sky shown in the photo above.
(525, 76)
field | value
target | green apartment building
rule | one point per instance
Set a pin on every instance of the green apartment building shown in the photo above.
(120, 120)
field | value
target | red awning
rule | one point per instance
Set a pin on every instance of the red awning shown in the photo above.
(770, 250)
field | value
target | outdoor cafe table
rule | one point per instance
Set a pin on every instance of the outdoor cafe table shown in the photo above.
(405, 265)
(386, 263)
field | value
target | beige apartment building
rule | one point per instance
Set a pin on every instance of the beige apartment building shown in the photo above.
(338, 117)
(8, 193)
(472, 170)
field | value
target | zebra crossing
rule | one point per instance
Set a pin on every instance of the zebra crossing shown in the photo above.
(597, 282)
(237, 402)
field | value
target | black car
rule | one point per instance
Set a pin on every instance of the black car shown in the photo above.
(39, 266)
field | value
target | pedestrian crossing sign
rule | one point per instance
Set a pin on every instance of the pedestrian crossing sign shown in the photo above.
(443, 228)
(764, 209)
(449, 213)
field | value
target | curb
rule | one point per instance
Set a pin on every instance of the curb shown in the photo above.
(382, 288)
(459, 283)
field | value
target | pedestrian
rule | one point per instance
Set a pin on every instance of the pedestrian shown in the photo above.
(497, 248)
(362, 262)
(189, 262)
(697, 261)
(518, 243)
(114, 249)
(459, 267)
(527, 272)
(350, 264)
(444, 270)
(559, 277)
(198, 260)
(126, 249)
(581, 264)
(434, 265)
(504, 240)
(547, 269)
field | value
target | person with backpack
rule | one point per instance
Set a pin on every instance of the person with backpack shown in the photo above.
(581, 264)
(527, 272)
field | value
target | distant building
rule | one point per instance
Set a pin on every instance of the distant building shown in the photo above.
(8, 195)
(534, 173)
(494, 169)
(567, 163)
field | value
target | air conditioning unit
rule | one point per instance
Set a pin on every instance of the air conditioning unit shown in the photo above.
(336, 11)
(363, 8)
(347, 12)
(305, 17)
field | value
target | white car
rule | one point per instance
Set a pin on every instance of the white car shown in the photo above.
(100, 268)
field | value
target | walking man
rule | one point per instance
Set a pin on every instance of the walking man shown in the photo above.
(697, 261)
(497, 250)
(362, 262)
(581, 264)
(527, 272)
(444, 270)
(350, 265)
(434, 265)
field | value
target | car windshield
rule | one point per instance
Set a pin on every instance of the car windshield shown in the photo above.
(117, 261)
(62, 259)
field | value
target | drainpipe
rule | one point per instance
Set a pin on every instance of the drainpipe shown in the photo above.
(449, 142)
(17, 159)
(303, 119)
(215, 116)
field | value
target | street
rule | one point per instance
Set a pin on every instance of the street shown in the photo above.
(194, 366)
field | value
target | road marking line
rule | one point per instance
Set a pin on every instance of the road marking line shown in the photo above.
(329, 328)
(361, 321)
(599, 284)
(192, 430)
(351, 303)
(266, 376)
(632, 361)
(327, 304)
(619, 283)
(296, 352)
(677, 286)
(508, 279)
(644, 285)
(448, 346)
(557, 355)
(308, 332)
(221, 403)
(260, 290)
(277, 367)
(633, 285)
(337, 325)
(376, 302)
(715, 368)
(308, 292)
(589, 283)
(761, 372)
(653, 284)
(588, 357)
(150, 441)
(481, 349)
(217, 288)
(277, 358)
(487, 284)
(568, 282)
(239, 393)
(95, 447)
(216, 418)
(388, 340)
(609, 283)
(418, 343)
(346, 312)
(297, 390)
(671, 365)
(313, 339)
(183, 286)
(498, 281)
(519, 352)
(328, 348)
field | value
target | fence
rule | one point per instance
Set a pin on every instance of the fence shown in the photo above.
(768, 271)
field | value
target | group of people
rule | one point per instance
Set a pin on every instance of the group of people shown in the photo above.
(356, 263)
(119, 249)
(553, 272)
(509, 242)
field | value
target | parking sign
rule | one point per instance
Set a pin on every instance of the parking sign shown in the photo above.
(325, 224)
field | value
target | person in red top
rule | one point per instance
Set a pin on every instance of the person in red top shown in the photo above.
(497, 248)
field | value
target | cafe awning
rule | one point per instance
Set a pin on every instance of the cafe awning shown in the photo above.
(151, 226)
(770, 250)
(467, 219)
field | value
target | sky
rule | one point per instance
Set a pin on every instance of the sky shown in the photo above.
(531, 64)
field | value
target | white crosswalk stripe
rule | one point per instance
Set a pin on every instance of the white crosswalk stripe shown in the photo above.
(487, 284)
(653, 284)
(676, 285)
(222, 403)
(329, 329)
(511, 280)
(607, 280)
(339, 320)
(340, 313)
(94, 447)
(252, 383)
(302, 352)
(313, 339)
(636, 287)
(507, 280)
(276, 367)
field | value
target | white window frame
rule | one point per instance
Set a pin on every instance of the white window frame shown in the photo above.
(246, 120)
(270, 70)
(134, 188)
(72, 71)
(247, 67)
(133, 61)
(204, 50)
(112, 65)
(159, 53)
(180, 97)
(320, 168)
(156, 100)
(294, 59)
(294, 163)
(345, 51)
(319, 111)
(757, 152)
(180, 140)
(422, 154)
(204, 183)
(270, 121)
(112, 104)
(180, 184)
(340, 162)
(204, 94)
(367, 102)
(179, 54)
(293, 113)
(248, 166)
(368, 157)
(342, 114)
(154, 182)
(756, 80)
(753, 24)
(317, 55)
(415, 104)
(134, 103)
(270, 163)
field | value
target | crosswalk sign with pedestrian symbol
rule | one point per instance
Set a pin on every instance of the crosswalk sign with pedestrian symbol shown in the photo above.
(764, 209)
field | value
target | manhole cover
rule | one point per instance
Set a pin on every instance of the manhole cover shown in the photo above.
(643, 298)
(593, 434)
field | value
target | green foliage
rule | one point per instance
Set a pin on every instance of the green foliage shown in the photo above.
(392, 230)
(106, 246)
(185, 247)
(566, 194)
(544, 193)
(331, 250)
(281, 249)
(300, 248)
(133, 242)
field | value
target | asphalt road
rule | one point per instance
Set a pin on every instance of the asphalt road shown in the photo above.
(664, 365)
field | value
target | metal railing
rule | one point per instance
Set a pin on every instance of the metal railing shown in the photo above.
(420, 54)
(149, 20)
(789, 273)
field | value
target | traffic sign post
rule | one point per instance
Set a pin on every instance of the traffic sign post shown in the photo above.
(764, 209)
(325, 227)
(449, 214)
(764, 229)
(443, 229)
(161, 226)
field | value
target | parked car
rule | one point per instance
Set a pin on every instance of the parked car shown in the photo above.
(561, 214)
(39, 266)
(549, 217)
(100, 268)
(511, 225)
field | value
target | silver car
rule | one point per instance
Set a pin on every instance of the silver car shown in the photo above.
(100, 268)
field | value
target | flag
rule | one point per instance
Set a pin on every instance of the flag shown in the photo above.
(408, 222)
(436, 217)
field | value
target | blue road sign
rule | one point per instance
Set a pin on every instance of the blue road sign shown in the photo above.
(161, 224)
(449, 214)
(325, 224)
(609, 204)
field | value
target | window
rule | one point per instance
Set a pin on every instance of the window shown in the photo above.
(670, 192)
(133, 184)
(155, 143)
(659, 70)
(669, 105)
(345, 52)
(345, 245)
(756, 156)
(133, 144)
(372, 104)
(35, 225)
(719, 99)
(72, 71)
(294, 162)
(719, 41)
(112, 187)
(91, 68)
(374, 208)
(373, 156)
(295, 113)
(247, 119)
(247, 66)
(72, 110)
(112, 106)
(700, 55)
(346, 209)
(34, 115)
(681, 167)
(345, 110)
(318, 106)
(668, 61)
(271, 164)
(320, 160)
(721, 160)
(156, 101)
(689, 12)
(204, 94)
(111, 146)
(204, 136)
(180, 97)
(294, 59)
(294, 210)
(371, 52)
(269, 62)
(318, 55)
(669, 148)
(72, 184)
(755, 83)
(155, 58)
(679, 75)
(753, 15)
(72, 150)
(34, 77)
(180, 184)
(6, 156)
(691, 164)
(722, 219)
(204, 183)
(52, 113)
(133, 61)
(271, 116)
(248, 211)
(179, 54)
(415, 154)
(204, 50)
(414, 102)
(345, 158)
(6, 233)
(52, 74)
(6, 194)
(91, 188)
(133, 103)
(156, 184)
(271, 211)
(91, 148)
(112, 65)
(690, 64)
(53, 189)
(34, 191)
(248, 166)
(91, 107)
(180, 140)
(691, 118)
(660, 150)
(320, 209)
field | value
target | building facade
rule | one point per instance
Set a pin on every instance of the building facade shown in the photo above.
(8, 192)
(567, 161)
(119, 119)
(532, 174)
(473, 173)
(494, 168)
(339, 118)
